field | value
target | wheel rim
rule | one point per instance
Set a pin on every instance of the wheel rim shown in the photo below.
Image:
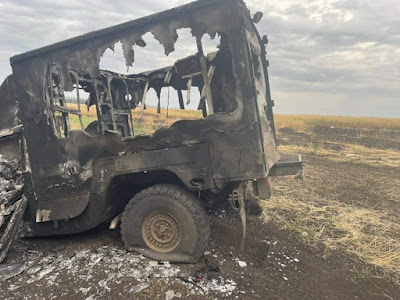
(161, 232)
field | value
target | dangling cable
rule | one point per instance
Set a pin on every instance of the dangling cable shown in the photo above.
(168, 102)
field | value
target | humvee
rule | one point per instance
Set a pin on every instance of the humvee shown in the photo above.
(77, 178)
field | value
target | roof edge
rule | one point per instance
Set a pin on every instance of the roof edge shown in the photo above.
(116, 29)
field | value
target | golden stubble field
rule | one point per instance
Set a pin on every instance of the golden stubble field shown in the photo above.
(349, 199)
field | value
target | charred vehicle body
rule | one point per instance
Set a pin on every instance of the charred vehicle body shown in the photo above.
(77, 179)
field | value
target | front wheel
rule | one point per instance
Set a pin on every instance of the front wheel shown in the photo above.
(166, 222)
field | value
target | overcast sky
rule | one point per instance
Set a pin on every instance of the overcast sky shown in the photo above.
(339, 57)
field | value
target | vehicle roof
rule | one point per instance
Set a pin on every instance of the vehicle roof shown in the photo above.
(130, 25)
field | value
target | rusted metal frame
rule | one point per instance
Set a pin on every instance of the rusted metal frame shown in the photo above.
(167, 80)
(109, 79)
(189, 85)
(146, 87)
(203, 64)
(67, 110)
(158, 92)
(210, 75)
(98, 108)
(62, 102)
(168, 103)
(49, 105)
(180, 98)
(67, 127)
(51, 100)
(189, 88)
(64, 114)
(130, 109)
(168, 77)
(78, 100)
(190, 76)
(121, 112)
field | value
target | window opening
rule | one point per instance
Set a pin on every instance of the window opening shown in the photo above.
(120, 96)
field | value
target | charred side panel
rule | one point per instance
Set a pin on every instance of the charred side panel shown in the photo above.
(261, 86)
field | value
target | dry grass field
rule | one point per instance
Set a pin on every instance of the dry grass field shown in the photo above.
(150, 121)
(349, 199)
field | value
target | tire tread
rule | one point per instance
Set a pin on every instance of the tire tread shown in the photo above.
(187, 200)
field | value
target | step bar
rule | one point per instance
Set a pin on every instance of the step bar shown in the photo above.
(288, 165)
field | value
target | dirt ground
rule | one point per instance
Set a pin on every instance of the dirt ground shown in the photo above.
(278, 266)
(295, 249)
(349, 199)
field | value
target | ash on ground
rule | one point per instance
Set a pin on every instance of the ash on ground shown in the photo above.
(96, 273)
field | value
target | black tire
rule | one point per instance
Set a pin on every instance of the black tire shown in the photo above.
(177, 204)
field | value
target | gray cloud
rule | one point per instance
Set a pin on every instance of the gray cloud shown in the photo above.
(326, 56)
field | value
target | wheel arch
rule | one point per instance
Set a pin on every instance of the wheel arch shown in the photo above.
(124, 187)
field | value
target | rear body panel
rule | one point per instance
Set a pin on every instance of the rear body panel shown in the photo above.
(263, 94)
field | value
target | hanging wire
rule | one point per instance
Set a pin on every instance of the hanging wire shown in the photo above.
(168, 102)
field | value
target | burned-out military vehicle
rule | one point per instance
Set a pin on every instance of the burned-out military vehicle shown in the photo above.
(77, 179)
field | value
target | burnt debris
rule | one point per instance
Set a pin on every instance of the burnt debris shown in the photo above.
(12, 202)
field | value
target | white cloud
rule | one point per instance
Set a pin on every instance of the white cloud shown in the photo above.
(324, 54)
